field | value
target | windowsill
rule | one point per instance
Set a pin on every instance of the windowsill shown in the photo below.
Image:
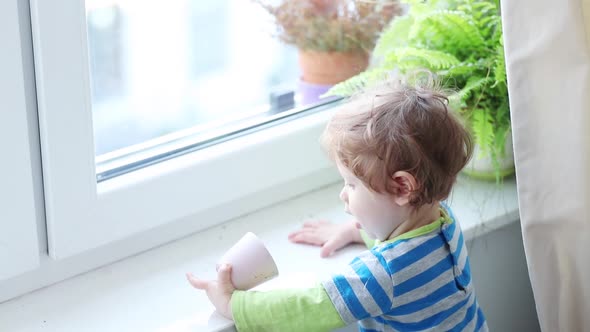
(149, 292)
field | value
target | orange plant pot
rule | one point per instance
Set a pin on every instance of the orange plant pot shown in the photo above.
(330, 67)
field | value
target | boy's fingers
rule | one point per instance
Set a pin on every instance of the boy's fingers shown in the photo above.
(330, 247)
(303, 233)
(327, 249)
(293, 234)
(308, 237)
(196, 282)
(224, 275)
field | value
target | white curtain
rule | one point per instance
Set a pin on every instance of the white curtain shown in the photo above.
(548, 65)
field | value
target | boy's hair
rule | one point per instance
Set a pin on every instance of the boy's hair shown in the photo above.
(398, 127)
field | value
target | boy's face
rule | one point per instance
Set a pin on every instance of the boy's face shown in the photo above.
(378, 214)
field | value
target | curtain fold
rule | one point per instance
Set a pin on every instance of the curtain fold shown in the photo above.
(548, 66)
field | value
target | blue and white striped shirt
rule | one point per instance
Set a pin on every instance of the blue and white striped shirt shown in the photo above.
(416, 284)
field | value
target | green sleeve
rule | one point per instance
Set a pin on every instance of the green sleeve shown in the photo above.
(285, 310)
(369, 242)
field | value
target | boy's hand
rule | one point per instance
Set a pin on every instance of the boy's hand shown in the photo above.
(330, 237)
(218, 291)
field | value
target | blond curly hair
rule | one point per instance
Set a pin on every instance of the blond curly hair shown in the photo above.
(401, 127)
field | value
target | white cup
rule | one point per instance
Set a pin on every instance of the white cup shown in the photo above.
(251, 262)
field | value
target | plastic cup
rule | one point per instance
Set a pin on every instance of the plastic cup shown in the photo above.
(251, 262)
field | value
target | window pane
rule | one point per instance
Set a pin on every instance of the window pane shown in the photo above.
(159, 67)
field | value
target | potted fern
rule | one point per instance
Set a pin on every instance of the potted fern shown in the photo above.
(460, 41)
(334, 38)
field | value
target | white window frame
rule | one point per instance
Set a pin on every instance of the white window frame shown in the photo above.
(19, 242)
(83, 214)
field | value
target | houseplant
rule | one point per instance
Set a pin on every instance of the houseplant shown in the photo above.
(460, 41)
(334, 38)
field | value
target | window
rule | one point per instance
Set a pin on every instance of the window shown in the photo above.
(160, 66)
(157, 68)
(203, 71)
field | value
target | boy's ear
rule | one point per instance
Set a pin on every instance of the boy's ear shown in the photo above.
(404, 184)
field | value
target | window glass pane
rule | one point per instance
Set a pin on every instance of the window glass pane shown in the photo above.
(158, 67)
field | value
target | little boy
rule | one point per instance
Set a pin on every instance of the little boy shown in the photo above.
(399, 150)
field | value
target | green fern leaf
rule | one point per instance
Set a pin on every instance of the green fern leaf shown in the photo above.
(501, 130)
(474, 84)
(394, 36)
(483, 130)
(450, 27)
(483, 7)
(358, 83)
(500, 67)
(462, 69)
(413, 58)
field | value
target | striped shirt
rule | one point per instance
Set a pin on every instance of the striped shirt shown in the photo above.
(413, 284)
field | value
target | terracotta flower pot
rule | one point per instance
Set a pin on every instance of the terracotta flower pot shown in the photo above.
(328, 68)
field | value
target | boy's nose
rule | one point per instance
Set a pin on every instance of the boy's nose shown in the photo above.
(344, 195)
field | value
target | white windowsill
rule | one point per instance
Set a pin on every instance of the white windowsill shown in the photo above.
(149, 292)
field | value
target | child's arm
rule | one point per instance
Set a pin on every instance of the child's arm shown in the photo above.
(363, 289)
(285, 310)
(280, 310)
(329, 236)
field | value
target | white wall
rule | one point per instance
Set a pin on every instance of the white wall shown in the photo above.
(21, 201)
